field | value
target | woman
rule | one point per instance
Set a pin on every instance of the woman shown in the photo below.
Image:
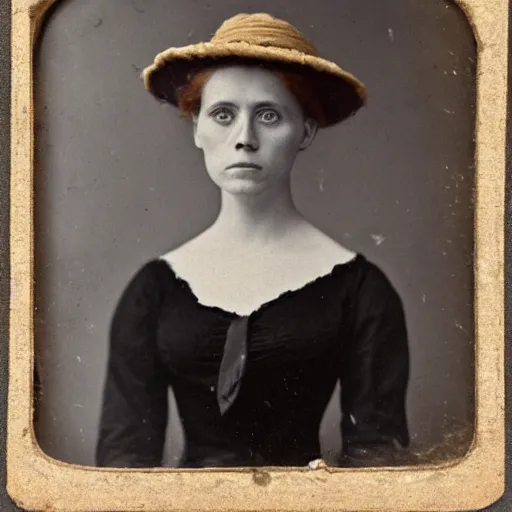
(253, 321)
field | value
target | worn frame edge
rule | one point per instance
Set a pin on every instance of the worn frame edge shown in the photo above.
(38, 482)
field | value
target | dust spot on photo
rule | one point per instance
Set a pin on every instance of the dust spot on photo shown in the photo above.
(378, 238)
(261, 478)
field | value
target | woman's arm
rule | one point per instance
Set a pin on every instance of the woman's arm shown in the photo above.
(374, 374)
(134, 410)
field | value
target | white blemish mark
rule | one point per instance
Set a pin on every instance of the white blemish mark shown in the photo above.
(391, 34)
(454, 72)
(78, 405)
(313, 464)
(352, 419)
(321, 180)
(451, 53)
(446, 167)
(378, 239)
(424, 299)
(459, 326)
(448, 111)
(316, 464)
(79, 359)
(212, 388)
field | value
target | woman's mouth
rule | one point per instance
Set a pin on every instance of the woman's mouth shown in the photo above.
(245, 165)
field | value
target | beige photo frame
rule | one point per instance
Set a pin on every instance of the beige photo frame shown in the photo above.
(37, 482)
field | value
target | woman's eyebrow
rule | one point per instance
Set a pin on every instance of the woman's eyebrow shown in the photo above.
(255, 104)
(221, 103)
(266, 104)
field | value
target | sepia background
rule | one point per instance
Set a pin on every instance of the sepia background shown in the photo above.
(118, 181)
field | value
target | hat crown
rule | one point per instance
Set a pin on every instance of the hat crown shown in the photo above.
(263, 30)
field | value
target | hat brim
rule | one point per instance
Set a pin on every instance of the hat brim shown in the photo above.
(340, 93)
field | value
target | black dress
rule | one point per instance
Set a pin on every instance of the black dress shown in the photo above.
(252, 390)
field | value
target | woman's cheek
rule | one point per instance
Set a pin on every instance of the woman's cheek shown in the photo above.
(287, 136)
(212, 135)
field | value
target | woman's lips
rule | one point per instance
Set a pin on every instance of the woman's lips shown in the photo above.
(244, 165)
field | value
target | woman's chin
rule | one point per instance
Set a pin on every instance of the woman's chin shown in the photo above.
(243, 188)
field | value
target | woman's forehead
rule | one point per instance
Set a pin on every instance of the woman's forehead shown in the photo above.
(245, 84)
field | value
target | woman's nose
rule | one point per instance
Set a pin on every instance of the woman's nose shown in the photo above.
(247, 137)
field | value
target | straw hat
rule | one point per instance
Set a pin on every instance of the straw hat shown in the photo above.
(261, 38)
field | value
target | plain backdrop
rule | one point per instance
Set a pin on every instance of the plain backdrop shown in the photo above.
(118, 181)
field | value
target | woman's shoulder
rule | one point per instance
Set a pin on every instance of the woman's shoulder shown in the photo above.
(368, 282)
(361, 275)
(147, 281)
(149, 272)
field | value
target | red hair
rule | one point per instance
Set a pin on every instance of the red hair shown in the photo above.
(189, 97)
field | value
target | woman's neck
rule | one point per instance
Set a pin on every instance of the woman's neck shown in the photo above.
(260, 219)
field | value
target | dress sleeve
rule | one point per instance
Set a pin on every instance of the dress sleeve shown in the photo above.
(134, 410)
(374, 374)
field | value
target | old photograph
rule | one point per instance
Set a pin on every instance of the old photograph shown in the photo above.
(254, 233)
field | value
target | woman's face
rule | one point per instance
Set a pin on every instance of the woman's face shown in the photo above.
(250, 128)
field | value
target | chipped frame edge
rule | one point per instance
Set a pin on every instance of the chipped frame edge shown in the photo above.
(38, 482)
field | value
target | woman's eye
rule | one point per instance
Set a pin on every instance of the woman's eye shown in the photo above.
(223, 116)
(269, 116)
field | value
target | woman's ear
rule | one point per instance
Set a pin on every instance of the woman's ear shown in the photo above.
(197, 142)
(310, 129)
